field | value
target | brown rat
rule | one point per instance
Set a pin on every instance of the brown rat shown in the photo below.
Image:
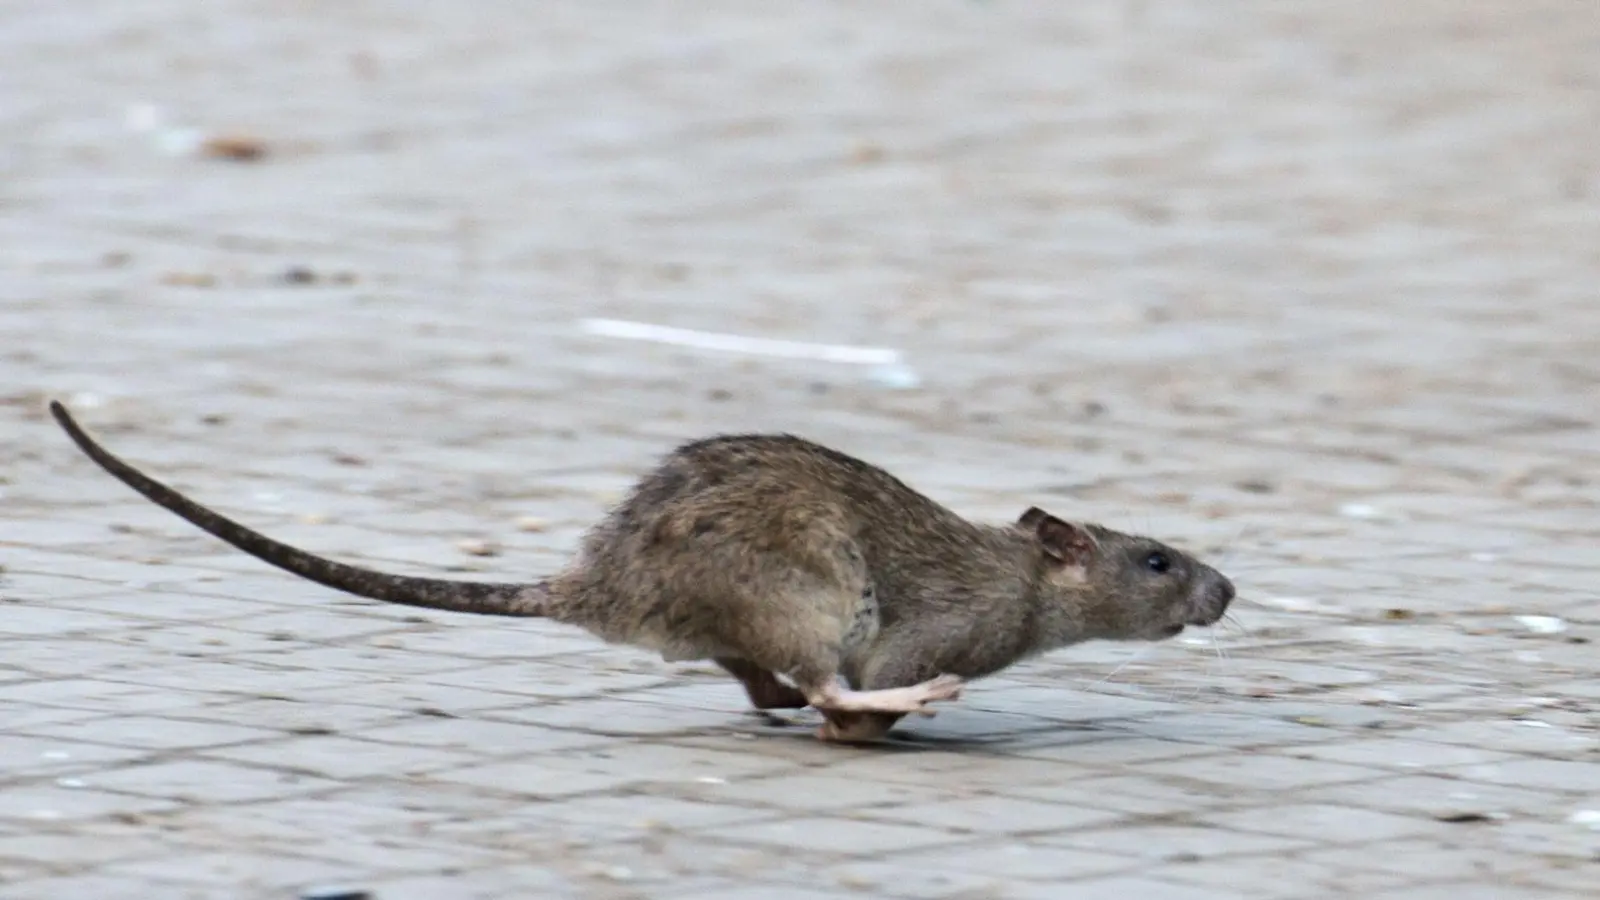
(776, 556)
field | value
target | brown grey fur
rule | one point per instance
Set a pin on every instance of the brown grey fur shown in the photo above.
(774, 555)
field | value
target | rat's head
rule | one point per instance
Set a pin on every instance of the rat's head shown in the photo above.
(1124, 587)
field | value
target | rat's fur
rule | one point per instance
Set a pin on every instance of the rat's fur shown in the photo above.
(776, 556)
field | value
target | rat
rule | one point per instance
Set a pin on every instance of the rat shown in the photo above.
(812, 577)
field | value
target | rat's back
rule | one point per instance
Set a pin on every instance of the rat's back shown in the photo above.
(758, 508)
(782, 476)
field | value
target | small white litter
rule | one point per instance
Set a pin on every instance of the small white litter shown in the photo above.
(1542, 624)
(1589, 818)
(888, 367)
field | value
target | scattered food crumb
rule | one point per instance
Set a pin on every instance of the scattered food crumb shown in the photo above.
(478, 548)
(867, 153)
(1399, 614)
(299, 275)
(312, 730)
(189, 279)
(238, 148)
(1462, 816)
(532, 524)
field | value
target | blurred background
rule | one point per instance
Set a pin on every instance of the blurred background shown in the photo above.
(1219, 205)
(1308, 287)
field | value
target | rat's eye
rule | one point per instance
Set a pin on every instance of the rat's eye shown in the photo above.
(1157, 562)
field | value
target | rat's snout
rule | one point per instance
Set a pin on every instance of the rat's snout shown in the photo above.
(1222, 594)
(1210, 600)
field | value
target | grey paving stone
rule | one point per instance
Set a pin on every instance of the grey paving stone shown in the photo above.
(538, 779)
(995, 815)
(1403, 754)
(1465, 857)
(836, 835)
(329, 756)
(1288, 876)
(150, 732)
(1010, 861)
(1161, 842)
(233, 870)
(1470, 891)
(108, 886)
(204, 781)
(812, 792)
(1134, 886)
(480, 884)
(482, 737)
(1262, 771)
(50, 802)
(291, 716)
(1326, 822)
(22, 756)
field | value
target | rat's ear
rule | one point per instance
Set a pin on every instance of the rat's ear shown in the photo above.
(1031, 518)
(1062, 541)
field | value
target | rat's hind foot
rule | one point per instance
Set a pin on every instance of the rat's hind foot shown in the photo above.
(913, 699)
(856, 728)
(763, 687)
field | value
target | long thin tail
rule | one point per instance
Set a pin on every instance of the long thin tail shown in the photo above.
(432, 593)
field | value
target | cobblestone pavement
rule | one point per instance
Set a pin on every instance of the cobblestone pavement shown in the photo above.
(1307, 287)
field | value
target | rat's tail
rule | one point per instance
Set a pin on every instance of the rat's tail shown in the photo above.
(432, 593)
